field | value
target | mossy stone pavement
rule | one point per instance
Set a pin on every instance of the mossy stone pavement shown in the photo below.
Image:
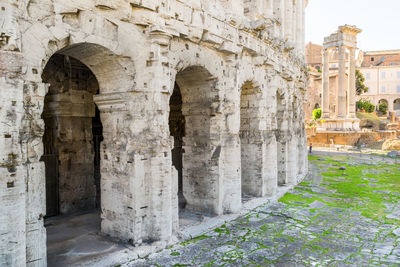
(345, 213)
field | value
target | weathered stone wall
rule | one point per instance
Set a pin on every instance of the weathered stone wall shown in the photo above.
(137, 51)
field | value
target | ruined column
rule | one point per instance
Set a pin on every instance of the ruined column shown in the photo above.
(341, 99)
(325, 85)
(352, 84)
(289, 20)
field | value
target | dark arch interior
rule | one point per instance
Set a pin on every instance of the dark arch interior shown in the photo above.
(177, 130)
(73, 132)
(396, 104)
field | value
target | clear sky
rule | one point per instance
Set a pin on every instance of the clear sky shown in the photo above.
(379, 20)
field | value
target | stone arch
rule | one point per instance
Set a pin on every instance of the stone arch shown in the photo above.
(251, 139)
(191, 115)
(224, 138)
(115, 76)
(396, 106)
(382, 101)
(91, 69)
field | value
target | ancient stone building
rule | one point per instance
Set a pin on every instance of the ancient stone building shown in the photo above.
(134, 106)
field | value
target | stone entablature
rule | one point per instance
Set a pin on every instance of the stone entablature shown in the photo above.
(130, 56)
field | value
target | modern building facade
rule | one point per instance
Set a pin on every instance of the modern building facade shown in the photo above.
(381, 70)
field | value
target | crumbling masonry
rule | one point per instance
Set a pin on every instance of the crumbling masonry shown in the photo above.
(144, 107)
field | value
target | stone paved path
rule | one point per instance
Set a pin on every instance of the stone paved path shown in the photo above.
(348, 217)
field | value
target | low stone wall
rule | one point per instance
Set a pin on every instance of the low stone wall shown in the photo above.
(324, 139)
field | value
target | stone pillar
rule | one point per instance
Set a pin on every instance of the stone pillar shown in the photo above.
(299, 25)
(341, 97)
(303, 23)
(352, 84)
(282, 157)
(325, 85)
(292, 160)
(269, 8)
(279, 13)
(13, 174)
(294, 23)
(270, 165)
(289, 20)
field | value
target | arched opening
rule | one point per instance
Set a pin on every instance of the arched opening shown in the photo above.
(70, 122)
(73, 133)
(250, 142)
(382, 107)
(193, 154)
(396, 106)
(316, 106)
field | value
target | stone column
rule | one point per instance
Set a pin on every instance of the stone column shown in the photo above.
(341, 98)
(282, 155)
(299, 25)
(270, 165)
(292, 160)
(279, 13)
(269, 9)
(294, 22)
(325, 85)
(352, 84)
(303, 22)
(289, 20)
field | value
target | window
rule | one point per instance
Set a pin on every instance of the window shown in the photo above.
(372, 58)
(383, 75)
(398, 88)
(367, 76)
(383, 89)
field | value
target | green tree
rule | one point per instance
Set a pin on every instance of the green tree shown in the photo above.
(316, 114)
(360, 86)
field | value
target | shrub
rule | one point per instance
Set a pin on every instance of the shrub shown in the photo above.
(365, 105)
(383, 108)
(316, 114)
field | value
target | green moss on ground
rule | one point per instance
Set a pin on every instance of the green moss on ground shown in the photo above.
(360, 187)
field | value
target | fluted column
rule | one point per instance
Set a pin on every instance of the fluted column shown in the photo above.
(325, 85)
(341, 99)
(289, 20)
(352, 84)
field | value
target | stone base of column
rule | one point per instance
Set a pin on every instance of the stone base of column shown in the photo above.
(339, 124)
